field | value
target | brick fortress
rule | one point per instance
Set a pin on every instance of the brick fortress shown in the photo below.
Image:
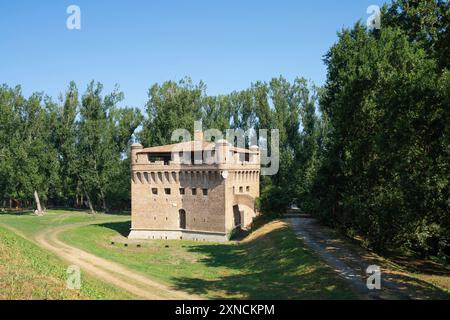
(193, 190)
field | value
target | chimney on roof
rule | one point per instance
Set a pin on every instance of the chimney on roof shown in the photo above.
(198, 135)
(198, 130)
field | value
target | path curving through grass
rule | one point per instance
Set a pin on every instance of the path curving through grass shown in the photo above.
(106, 270)
(270, 264)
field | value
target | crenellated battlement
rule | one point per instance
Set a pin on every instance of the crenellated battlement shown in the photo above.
(190, 175)
(213, 156)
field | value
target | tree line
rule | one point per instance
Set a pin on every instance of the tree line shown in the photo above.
(385, 169)
(66, 153)
(367, 153)
(75, 152)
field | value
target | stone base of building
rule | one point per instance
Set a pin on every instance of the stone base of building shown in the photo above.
(146, 234)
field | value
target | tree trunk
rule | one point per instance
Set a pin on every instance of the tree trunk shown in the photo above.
(38, 203)
(105, 209)
(91, 207)
(17, 203)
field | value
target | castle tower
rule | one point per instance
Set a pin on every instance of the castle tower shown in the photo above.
(195, 199)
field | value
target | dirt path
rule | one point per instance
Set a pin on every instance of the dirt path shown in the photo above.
(351, 263)
(110, 272)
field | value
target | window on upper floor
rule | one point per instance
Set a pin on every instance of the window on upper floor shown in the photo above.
(182, 191)
(155, 191)
(205, 192)
(167, 190)
(241, 189)
(247, 188)
(194, 191)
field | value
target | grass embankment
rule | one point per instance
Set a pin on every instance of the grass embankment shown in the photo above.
(427, 279)
(29, 272)
(271, 264)
(30, 225)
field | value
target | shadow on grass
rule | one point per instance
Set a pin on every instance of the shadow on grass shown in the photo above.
(23, 212)
(273, 266)
(17, 213)
(421, 266)
(123, 228)
(397, 285)
(85, 210)
(422, 290)
(119, 213)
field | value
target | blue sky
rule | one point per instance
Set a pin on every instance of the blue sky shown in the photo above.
(226, 43)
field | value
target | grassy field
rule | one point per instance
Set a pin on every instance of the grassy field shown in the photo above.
(272, 263)
(28, 272)
(30, 225)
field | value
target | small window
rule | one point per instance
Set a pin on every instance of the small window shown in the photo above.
(155, 191)
(182, 191)
(241, 189)
(182, 215)
(167, 190)
(194, 191)
(205, 192)
(247, 189)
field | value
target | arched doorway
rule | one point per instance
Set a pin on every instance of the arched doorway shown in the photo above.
(237, 214)
(182, 214)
